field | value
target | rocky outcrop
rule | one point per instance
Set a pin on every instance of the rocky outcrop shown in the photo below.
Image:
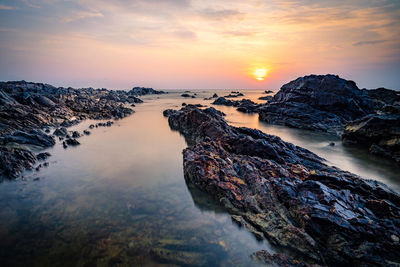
(317, 102)
(28, 110)
(139, 91)
(313, 212)
(244, 105)
(379, 133)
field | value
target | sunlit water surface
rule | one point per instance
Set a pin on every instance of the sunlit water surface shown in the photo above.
(120, 198)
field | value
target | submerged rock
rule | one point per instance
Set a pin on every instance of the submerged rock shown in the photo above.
(314, 212)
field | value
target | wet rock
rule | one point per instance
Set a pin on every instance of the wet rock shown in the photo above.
(378, 133)
(144, 91)
(315, 213)
(43, 156)
(14, 161)
(268, 98)
(61, 131)
(72, 142)
(33, 137)
(278, 260)
(76, 134)
(317, 102)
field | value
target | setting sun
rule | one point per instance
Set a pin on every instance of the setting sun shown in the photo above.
(260, 73)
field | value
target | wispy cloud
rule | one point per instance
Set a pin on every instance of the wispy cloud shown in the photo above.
(5, 7)
(370, 42)
(82, 15)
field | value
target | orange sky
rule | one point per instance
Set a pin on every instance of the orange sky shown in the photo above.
(198, 44)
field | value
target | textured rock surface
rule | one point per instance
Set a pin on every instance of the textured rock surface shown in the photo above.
(317, 102)
(28, 110)
(315, 213)
(379, 133)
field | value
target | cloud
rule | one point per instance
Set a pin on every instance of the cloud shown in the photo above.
(82, 15)
(5, 7)
(370, 42)
(220, 14)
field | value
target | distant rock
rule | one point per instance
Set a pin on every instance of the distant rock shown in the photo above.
(244, 105)
(268, 98)
(317, 102)
(144, 91)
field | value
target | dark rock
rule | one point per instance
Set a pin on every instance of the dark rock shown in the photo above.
(33, 137)
(144, 91)
(14, 161)
(314, 212)
(72, 142)
(268, 98)
(244, 105)
(76, 134)
(317, 102)
(43, 156)
(379, 133)
(61, 131)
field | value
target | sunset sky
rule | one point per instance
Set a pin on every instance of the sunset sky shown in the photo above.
(199, 43)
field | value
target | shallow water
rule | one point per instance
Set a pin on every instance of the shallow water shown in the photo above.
(120, 197)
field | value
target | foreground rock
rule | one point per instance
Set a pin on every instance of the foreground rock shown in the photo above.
(317, 102)
(244, 105)
(313, 212)
(28, 110)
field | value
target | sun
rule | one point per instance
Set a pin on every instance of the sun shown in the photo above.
(260, 73)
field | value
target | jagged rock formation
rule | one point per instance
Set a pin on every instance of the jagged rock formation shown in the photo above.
(314, 212)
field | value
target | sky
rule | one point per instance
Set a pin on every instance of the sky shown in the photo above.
(188, 44)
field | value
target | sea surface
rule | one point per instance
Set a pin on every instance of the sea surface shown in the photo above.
(120, 198)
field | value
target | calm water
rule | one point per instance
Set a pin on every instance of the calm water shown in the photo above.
(120, 199)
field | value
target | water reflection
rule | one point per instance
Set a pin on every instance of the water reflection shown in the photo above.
(120, 198)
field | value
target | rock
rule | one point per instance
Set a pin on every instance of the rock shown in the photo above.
(268, 98)
(144, 91)
(379, 133)
(234, 94)
(244, 105)
(72, 142)
(43, 156)
(76, 134)
(278, 260)
(317, 102)
(14, 161)
(61, 131)
(313, 212)
(33, 137)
